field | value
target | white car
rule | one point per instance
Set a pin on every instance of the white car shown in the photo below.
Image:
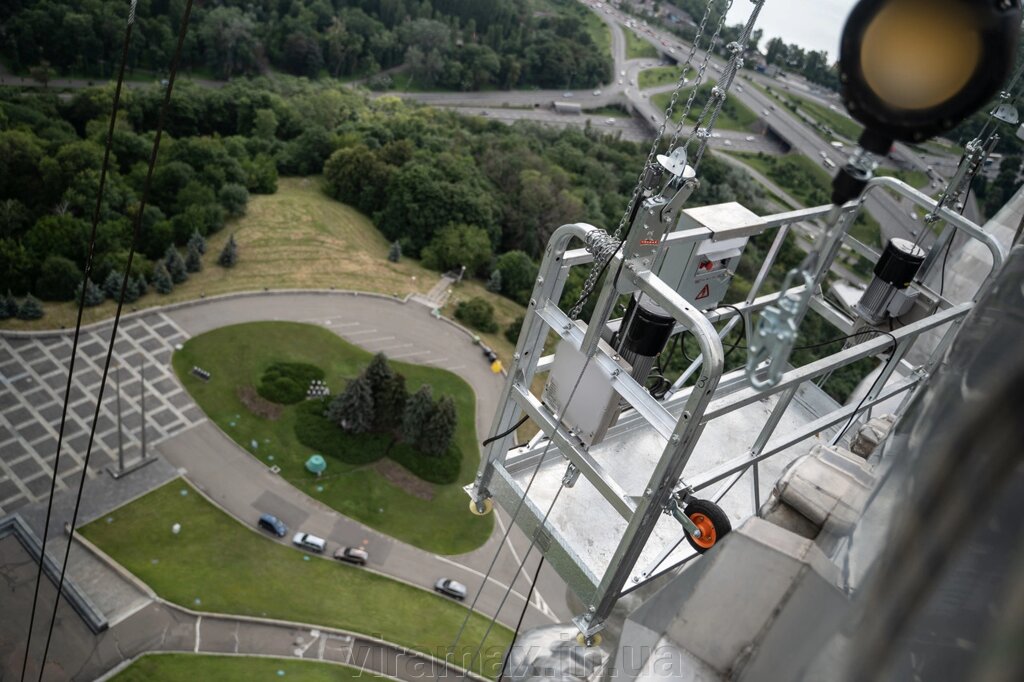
(829, 163)
(609, 121)
(750, 138)
(765, 112)
(597, 93)
(824, 155)
(727, 143)
(716, 135)
(622, 73)
(620, 81)
(310, 542)
(566, 94)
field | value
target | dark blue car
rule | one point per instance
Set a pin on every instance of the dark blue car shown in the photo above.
(273, 524)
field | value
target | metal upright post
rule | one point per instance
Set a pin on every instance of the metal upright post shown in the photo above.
(120, 432)
(142, 402)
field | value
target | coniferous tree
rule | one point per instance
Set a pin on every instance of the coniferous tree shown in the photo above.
(395, 252)
(162, 281)
(353, 409)
(197, 241)
(436, 436)
(494, 282)
(93, 294)
(8, 306)
(389, 403)
(418, 409)
(112, 284)
(229, 254)
(193, 261)
(31, 308)
(141, 285)
(131, 292)
(175, 265)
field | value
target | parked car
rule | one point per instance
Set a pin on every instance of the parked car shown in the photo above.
(273, 524)
(597, 93)
(352, 555)
(749, 138)
(609, 121)
(310, 542)
(450, 588)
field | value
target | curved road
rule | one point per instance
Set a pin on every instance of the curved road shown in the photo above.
(406, 332)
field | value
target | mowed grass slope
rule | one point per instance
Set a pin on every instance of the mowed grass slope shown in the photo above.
(733, 116)
(215, 564)
(237, 356)
(198, 667)
(298, 238)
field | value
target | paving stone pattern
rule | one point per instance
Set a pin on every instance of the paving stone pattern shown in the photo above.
(33, 379)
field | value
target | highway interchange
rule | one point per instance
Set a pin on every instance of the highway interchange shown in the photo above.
(896, 216)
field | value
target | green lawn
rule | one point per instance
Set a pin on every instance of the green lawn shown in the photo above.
(637, 47)
(810, 184)
(199, 667)
(215, 564)
(914, 178)
(838, 121)
(237, 356)
(734, 114)
(659, 75)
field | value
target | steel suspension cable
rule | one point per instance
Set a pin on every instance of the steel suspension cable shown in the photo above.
(136, 229)
(78, 323)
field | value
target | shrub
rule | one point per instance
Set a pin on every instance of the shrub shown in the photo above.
(286, 383)
(229, 254)
(477, 313)
(512, 330)
(58, 279)
(31, 308)
(233, 197)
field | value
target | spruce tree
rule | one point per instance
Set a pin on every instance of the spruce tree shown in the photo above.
(352, 410)
(395, 252)
(197, 241)
(112, 284)
(141, 285)
(162, 279)
(389, 403)
(378, 372)
(193, 261)
(93, 294)
(8, 306)
(229, 254)
(31, 308)
(418, 409)
(131, 292)
(437, 433)
(494, 282)
(175, 265)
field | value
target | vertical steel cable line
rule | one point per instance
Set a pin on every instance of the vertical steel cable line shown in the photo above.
(136, 228)
(78, 322)
(603, 253)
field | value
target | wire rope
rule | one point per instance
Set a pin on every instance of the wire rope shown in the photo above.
(186, 15)
(78, 324)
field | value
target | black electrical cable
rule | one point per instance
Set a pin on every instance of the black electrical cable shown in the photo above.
(136, 229)
(78, 327)
(949, 244)
(743, 330)
(874, 384)
(505, 433)
(522, 614)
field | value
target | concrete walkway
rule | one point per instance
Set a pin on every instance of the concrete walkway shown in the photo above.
(153, 625)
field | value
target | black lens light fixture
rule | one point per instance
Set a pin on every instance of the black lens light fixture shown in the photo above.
(912, 69)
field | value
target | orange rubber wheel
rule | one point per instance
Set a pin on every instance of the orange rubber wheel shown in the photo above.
(712, 522)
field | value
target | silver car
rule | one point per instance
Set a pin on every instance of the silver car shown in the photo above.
(450, 588)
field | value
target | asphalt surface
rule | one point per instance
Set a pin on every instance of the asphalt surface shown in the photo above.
(406, 332)
(76, 654)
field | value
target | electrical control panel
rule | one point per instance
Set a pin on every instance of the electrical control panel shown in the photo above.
(701, 268)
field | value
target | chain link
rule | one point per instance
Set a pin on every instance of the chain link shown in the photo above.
(602, 253)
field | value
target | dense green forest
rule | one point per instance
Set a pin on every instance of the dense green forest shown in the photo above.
(453, 44)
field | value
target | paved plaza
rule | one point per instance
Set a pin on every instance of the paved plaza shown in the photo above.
(33, 379)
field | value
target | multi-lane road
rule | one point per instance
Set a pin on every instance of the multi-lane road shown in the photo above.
(897, 217)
